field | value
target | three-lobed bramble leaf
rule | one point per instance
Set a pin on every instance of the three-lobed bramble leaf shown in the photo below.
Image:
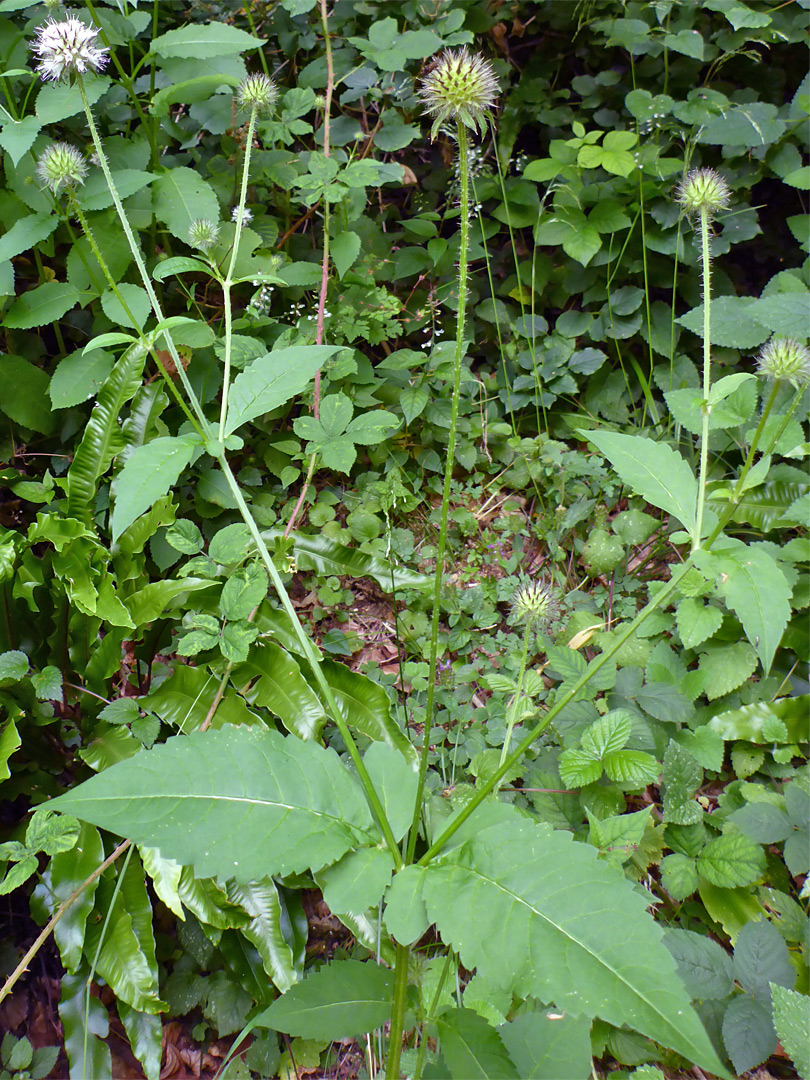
(602, 747)
(334, 434)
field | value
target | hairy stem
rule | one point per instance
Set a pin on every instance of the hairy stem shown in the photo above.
(707, 363)
(515, 704)
(464, 236)
(228, 282)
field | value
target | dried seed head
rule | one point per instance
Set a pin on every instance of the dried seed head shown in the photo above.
(203, 234)
(61, 166)
(703, 190)
(785, 359)
(459, 86)
(534, 604)
(258, 92)
(67, 47)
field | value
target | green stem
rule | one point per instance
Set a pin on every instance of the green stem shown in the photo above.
(707, 363)
(464, 226)
(138, 257)
(398, 1012)
(513, 710)
(312, 659)
(91, 240)
(228, 282)
(595, 666)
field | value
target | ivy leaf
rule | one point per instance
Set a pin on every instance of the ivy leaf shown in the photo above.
(730, 860)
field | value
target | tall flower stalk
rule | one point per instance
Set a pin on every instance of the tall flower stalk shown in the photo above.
(460, 89)
(703, 194)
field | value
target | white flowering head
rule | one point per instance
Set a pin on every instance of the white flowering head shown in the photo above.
(203, 234)
(67, 48)
(459, 86)
(60, 166)
(534, 604)
(786, 360)
(703, 190)
(247, 215)
(258, 92)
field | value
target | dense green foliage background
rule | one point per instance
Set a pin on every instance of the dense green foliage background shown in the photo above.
(135, 610)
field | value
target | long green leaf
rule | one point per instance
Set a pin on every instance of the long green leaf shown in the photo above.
(549, 1045)
(366, 707)
(102, 437)
(236, 803)
(87, 1053)
(653, 470)
(273, 380)
(327, 556)
(276, 683)
(345, 999)
(185, 699)
(268, 916)
(542, 916)
(65, 873)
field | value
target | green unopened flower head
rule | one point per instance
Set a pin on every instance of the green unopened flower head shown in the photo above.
(703, 190)
(60, 166)
(534, 604)
(460, 86)
(203, 234)
(258, 92)
(785, 359)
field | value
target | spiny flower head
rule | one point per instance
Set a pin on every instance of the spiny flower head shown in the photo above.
(459, 86)
(67, 47)
(703, 190)
(203, 234)
(786, 359)
(61, 166)
(258, 92)
(534, 604)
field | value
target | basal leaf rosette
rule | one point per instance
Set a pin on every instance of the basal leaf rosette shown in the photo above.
(460, 86)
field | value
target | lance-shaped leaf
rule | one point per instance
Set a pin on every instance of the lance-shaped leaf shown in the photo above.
(653, 470)
(272, 679)
(272, 380)
(150, 471)
(366, 707)
(541, 915)
(236, 803)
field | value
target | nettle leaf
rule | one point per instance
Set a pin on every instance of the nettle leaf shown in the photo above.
(653, 470)
(697, 621)
(149, 472)
(272, 380)
(704, 966)
(761, 957)
(544, 917)
(730, 860)
(235, 803)
(472, 1048)
(725, 667)
(748, 1032)
(342, 1000)
(682, 776)
(243, 591)
(756, 590)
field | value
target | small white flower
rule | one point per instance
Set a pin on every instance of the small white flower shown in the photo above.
(247, 215)
(203, 234)
(67, 47)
